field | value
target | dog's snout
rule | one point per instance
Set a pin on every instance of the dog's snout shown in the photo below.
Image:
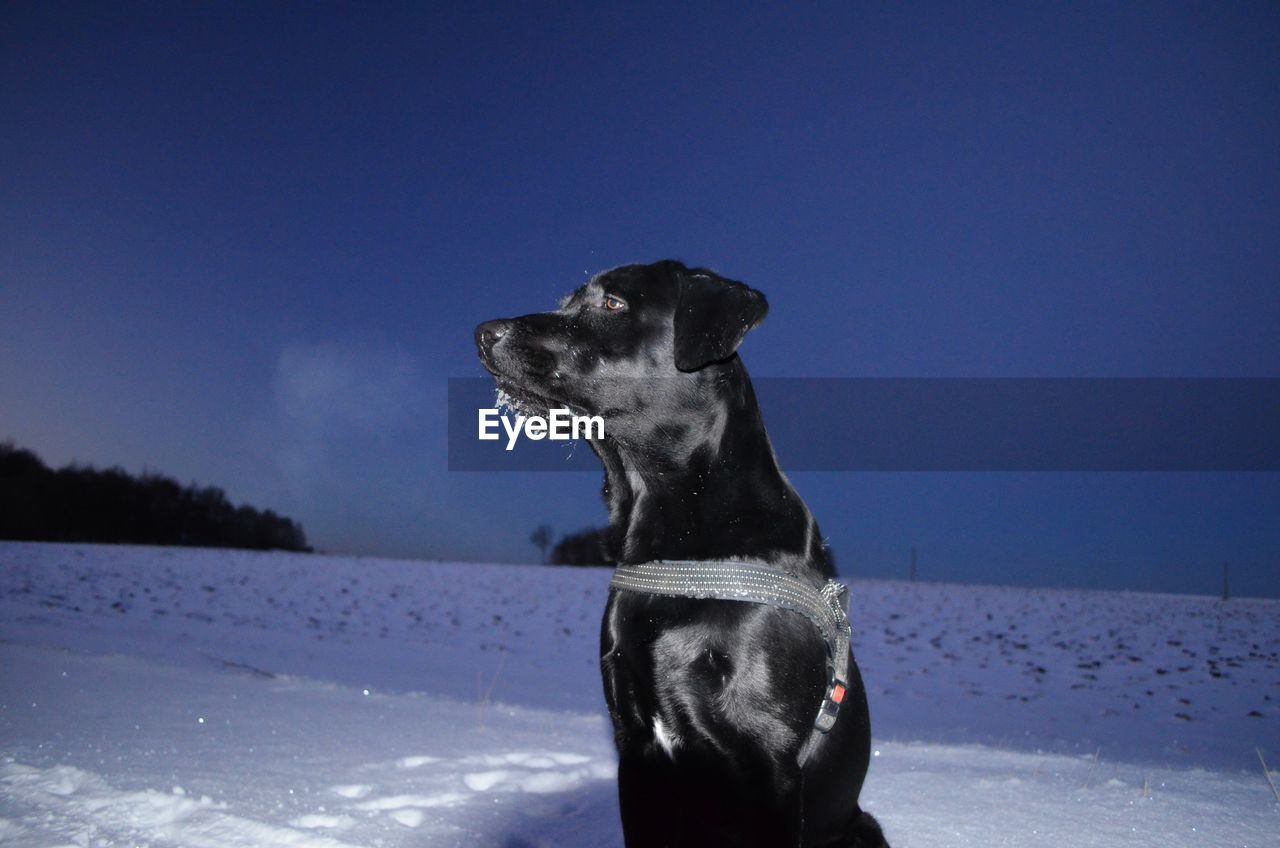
(488, 334)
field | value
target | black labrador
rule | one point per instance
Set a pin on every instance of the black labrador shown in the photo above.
(711, 700)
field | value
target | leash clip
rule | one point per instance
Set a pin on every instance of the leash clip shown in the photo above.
(830, 709)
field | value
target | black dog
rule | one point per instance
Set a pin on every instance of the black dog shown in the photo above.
(711, 700)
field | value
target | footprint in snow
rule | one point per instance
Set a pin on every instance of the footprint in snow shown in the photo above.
(315, 821)
(416, 762)
(427, 786)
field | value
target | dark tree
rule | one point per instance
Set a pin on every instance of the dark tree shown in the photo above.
(81, 504)
(586, 547)
(541, 538)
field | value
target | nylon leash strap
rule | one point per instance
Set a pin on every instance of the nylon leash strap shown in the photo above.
(759, 583)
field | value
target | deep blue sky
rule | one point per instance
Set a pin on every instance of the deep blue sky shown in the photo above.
(246, 244)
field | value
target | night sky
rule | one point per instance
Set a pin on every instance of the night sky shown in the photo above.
(246, 245)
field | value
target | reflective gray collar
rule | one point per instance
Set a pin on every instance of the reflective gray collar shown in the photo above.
(759, 583)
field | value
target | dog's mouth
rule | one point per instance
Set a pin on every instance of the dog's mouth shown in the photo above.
(536, 395)
(520, 400)
(520, 392)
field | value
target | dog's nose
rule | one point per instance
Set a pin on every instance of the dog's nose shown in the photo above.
(488, 334)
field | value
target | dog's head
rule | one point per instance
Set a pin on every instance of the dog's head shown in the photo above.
(625, 346)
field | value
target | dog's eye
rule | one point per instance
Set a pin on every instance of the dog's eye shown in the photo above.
(614, 304)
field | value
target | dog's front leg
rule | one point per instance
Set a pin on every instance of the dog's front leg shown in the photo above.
(647, 799)
(780, 819)
(664, 808)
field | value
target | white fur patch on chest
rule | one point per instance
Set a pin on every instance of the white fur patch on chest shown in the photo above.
(666, 740)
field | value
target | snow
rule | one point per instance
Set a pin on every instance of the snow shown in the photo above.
(167, 697)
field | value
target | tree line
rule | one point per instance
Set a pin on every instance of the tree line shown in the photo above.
(79, 503)
(586, 547)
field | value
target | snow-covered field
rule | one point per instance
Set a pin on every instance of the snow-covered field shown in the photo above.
(173, 697)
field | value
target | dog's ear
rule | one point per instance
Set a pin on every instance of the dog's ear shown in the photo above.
(712, 316)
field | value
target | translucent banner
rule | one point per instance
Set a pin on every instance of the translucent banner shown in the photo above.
(892, 424)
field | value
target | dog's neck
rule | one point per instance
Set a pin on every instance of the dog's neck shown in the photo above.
(726, 499)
